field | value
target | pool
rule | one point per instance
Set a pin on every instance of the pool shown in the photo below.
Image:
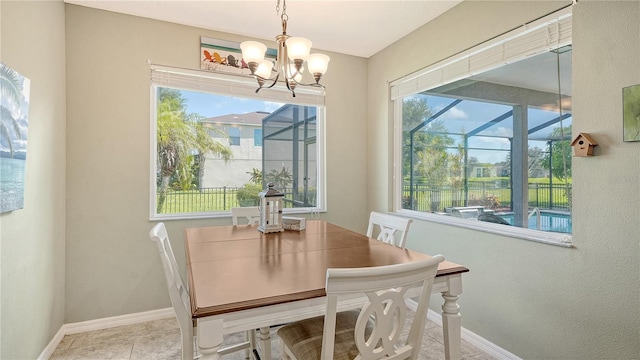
(549, 221)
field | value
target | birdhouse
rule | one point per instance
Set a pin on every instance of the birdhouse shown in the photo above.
(271, 202)
(583, 145)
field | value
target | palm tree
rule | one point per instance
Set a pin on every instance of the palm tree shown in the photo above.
(177, 137)
(11, 90)
(255, 176)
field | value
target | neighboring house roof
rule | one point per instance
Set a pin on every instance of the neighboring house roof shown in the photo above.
(252, 118)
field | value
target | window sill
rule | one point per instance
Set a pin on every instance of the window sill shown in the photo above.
(226, 214)
(550, 238)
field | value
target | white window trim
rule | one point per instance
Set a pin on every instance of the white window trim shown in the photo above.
(550, 32)
(550, 238)
(241, 86)
(545, 34)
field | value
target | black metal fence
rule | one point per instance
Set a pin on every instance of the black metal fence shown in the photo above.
(492, 195)
(220, 199)
(554, 197)
(203, 200)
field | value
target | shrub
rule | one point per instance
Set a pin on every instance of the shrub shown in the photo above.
(249, 195)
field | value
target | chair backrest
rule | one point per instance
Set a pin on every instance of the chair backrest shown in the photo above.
(250, 213)
(382, 318)
(392, 229)
(177, 291)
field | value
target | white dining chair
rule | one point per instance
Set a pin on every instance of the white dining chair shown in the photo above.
(179, 296)
(390, 229)
(374, 332)
(250, 213)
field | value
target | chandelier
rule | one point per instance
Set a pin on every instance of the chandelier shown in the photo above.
(292, 54)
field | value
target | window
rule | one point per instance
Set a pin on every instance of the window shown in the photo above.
(216, 144)
(483, 138)
(257, 137)
(234, 136)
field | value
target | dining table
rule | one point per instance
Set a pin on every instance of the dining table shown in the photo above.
(242, 279)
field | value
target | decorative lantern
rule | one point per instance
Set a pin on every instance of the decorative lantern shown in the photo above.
(271, 201)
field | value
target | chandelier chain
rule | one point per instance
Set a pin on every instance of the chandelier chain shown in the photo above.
(284, 15)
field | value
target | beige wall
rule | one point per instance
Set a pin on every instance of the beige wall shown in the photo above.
(537, 301)
(540, 301)
(32, 239)
(112, 267)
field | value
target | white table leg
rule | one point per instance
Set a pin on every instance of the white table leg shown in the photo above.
(451, 319)
(209, 338)
(265, 343)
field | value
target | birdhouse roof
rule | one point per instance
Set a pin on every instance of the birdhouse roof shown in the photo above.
(585, 136)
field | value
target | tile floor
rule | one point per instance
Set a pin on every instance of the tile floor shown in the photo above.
(160, 340)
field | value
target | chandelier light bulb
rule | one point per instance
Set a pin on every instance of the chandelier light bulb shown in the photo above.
(264, 69)
(298, 48)
(253, 51)
(318, 63)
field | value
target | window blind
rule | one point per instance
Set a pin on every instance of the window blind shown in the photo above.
(545, 34)
(234, 85)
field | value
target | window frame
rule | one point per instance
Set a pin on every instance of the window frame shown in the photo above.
(239, 86)
(234, 136)
(257, 140)
(510, 47)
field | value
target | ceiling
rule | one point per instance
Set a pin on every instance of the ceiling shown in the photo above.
(357, 27)
(353, 27)
(548, 72)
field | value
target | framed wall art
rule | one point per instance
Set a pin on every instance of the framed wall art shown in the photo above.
(225, 56)
(14, 123)
(631, 113)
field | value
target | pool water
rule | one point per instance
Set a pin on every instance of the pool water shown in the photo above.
(549, 221)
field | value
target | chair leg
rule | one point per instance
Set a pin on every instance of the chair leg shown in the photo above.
(196, 351)
(251, 338)
(265, 342)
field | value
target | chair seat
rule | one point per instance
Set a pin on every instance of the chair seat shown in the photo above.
(304, 338)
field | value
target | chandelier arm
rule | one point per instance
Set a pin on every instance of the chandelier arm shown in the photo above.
(291, 88)
(310, 84)
(274, 82)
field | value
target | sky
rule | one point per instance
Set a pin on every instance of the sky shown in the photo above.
(492, 144)
(464, 117)
(210, 105)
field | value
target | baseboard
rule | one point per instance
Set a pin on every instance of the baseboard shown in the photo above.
(53, 344)
(486, 345)
(470, 337)
(105, 323)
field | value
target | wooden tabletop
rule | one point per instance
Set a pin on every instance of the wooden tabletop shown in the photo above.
(233, 268)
